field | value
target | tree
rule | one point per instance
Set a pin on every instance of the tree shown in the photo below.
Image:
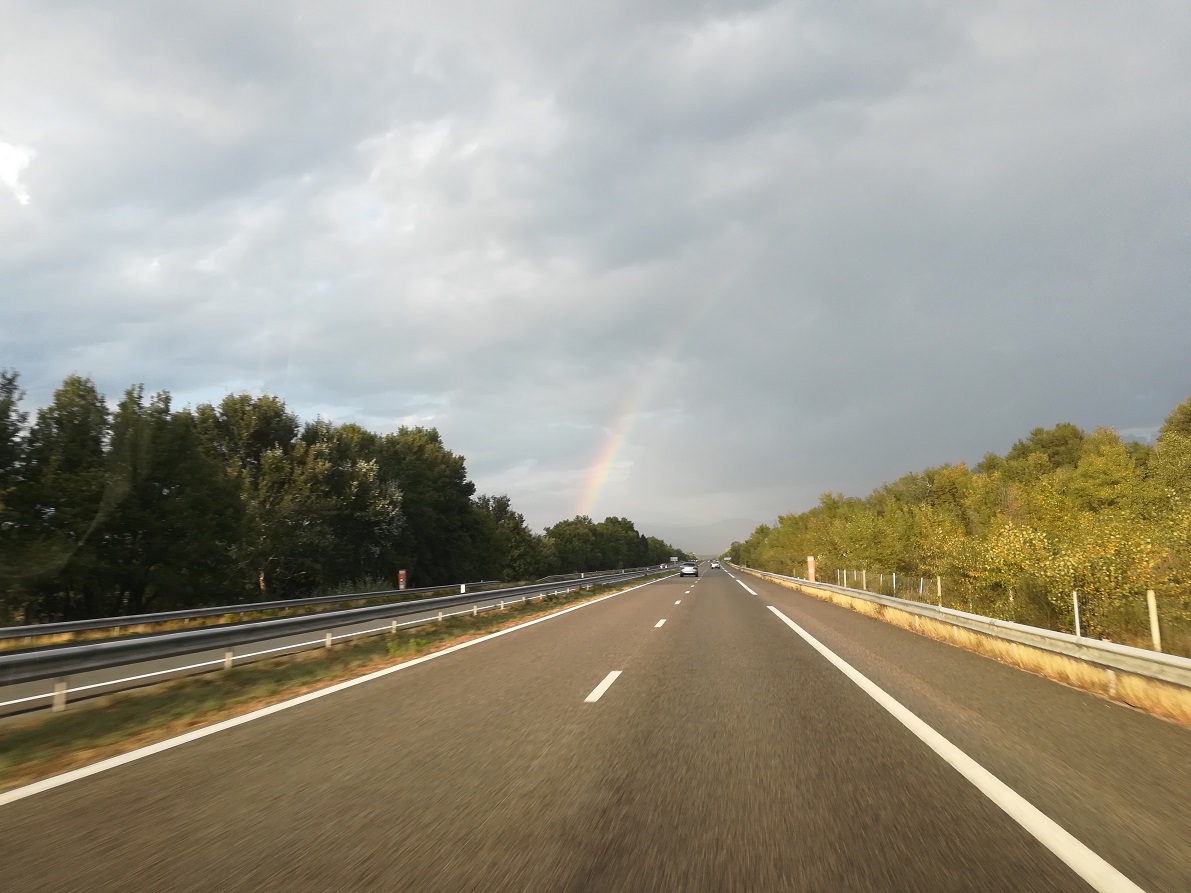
(436, 542)
(63, 502)
(1062, 446)
(169, 540)
(512, 551)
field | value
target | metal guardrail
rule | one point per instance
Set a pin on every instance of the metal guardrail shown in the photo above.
(582, 575)
(66, 660)
(1109, 655)
(35, 630)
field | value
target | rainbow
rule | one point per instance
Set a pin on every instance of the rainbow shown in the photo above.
(618, 434)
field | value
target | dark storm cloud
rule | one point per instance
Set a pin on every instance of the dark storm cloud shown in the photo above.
(805, 246)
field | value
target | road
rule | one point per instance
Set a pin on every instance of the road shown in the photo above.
(26, 697)
(728, 755)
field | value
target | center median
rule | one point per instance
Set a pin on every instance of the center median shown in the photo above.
(39, 747)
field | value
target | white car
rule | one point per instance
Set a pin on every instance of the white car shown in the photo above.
(689, 569)
(715, 564)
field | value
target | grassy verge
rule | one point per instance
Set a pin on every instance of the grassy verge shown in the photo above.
(45, 745)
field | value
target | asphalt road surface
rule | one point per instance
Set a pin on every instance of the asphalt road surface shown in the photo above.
(26, 697)
(729, 754)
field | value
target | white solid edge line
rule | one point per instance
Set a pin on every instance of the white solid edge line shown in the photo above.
(1088, 865)
(598, 691)
(140, 753)
(659, 623)
(746, 589)
(238, 657)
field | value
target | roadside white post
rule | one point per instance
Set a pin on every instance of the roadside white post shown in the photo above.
(1075, 604)
(939, 589)
(475, 609)
(393, 627)
(328, 640)
(502, 604)
(921, 581)
(1155, 630)
(440, 616)
(463, 589)
(59, 702)
(228, 657)
(864, 579)
(895, 584)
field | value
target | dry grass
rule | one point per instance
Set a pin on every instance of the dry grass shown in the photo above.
(1151, 695)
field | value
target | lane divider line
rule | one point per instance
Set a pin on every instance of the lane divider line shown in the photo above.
(746, 589)
(678, 601)
(660, 623)
(1101, 876)
(598, 691)
(140, 753)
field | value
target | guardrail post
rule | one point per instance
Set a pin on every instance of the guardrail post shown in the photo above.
(228, 657)
(328, 640)
(1155, 630)
(59, 702)
(1075, 605)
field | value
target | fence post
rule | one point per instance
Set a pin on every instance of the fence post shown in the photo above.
(59, 702)
(1075, 604)
(1155, 630)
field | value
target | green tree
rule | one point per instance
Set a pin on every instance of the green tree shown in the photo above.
(437, 540)
(169, 539)
(63, 502)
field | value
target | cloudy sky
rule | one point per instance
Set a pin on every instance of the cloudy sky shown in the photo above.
(693, 263)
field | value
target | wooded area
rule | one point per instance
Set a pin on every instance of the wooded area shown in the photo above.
(1063, 511)
(147, 507)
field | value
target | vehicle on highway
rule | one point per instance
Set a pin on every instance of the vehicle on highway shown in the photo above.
(715, 564)
(689, 569)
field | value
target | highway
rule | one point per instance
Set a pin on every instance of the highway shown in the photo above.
(728, 754)
(21, 698)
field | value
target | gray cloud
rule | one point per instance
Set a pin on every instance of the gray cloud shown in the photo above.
(802, 247)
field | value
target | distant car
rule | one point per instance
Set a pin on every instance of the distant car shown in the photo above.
(689, 569)
(715, 564)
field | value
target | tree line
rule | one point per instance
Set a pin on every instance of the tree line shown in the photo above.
(145, 507)
(1064, 510)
